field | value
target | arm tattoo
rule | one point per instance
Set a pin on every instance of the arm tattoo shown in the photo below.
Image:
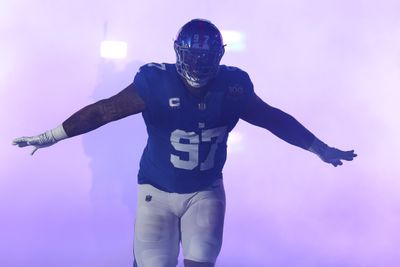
(91, 117)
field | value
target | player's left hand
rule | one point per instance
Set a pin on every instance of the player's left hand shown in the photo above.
(329, 154)
(335, 156)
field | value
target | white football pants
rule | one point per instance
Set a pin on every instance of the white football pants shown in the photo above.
(164, 219)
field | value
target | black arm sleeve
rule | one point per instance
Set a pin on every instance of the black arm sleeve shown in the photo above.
(125, 103)
(281, 124)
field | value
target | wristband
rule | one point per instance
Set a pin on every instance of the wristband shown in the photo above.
(58, 133)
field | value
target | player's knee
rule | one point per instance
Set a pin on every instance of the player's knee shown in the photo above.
(156, 258)
(202, 249)
(153, 260)
(190, 263)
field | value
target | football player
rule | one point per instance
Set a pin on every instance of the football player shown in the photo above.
(189, 109)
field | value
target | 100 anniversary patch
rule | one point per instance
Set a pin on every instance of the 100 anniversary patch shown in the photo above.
(235, 91)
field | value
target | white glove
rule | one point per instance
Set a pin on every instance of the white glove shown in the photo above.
(42, 140)
(329, 154)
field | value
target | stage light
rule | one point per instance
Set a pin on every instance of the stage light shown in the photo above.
(235, 40)
(235, 142)
(113, 49)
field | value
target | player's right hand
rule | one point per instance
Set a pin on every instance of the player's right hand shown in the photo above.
(38, 141)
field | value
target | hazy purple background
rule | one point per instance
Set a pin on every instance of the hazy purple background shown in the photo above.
(334, 65)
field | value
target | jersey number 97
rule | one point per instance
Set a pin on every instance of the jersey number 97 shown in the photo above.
(189, 142)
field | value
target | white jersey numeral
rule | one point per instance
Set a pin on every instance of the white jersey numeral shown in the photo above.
(192, 148)
(206, 136)
(189, 142)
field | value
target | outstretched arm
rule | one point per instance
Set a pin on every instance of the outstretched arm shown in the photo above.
(125, 103)
(283, 125)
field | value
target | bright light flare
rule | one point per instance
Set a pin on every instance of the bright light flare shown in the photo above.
(113, 49)
(235, 40)
(235, 142)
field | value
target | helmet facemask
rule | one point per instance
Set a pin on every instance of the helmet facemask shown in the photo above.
(197, 66)
(199, 50)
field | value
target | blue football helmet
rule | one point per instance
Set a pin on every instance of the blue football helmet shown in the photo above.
(199, 49)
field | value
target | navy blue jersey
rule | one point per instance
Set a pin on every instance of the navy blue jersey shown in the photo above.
(187, 134)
